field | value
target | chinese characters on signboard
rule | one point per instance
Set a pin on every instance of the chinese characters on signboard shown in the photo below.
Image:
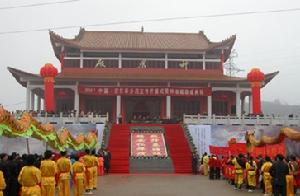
(145, 91)
(148, 145)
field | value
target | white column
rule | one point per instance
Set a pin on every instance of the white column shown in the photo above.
(27, 97)
(250, 104)
(203, 58)
(243, 105)
(38, 107)
(209, 106)
(120, 60)
(168, 107)
(238, 102)
(118, 108)
(166, 61)
(76, 99)
(32, 100)
(81, 59)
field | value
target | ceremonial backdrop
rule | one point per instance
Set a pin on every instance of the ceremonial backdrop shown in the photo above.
(216, 137)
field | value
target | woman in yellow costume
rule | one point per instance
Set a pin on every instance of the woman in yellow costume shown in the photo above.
(290, 181)
(2, 183)
(89, 164)
(63, 172)
(78, 170)
(95, 169)
(205, 160)
(48, 171)
(239, 173)
(266, 176)
(251, 171)
(30, 178)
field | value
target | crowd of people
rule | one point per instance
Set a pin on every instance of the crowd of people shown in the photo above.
(34, 175)
(280, 176)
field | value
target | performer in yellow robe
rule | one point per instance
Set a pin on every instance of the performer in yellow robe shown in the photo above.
(63, 172)
(100, 166)
(290, 181)
(205, 160)
(48, 171)
(251, 174)
(95, 169)
(266, 175)
(78, 170)
(239, 173)
(89, 164)
(30, 178)
(2, 183)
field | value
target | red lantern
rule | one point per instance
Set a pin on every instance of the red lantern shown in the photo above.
(49, 72)
(256, 77)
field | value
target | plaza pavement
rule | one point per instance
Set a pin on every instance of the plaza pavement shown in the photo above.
(165, 185)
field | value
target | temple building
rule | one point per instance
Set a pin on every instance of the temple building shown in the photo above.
(130, 74)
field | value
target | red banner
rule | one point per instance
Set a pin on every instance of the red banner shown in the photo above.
(144, 91)
(236, 149)
(218, 150)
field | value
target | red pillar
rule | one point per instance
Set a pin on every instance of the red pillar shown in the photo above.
(256, 105)
(256, 77)
(49, 72)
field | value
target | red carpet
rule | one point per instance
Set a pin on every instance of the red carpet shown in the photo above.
(119, 147)
(178, 148)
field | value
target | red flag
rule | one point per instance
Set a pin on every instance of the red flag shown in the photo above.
(62, 59)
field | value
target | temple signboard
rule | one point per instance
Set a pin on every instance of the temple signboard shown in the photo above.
(144, 91)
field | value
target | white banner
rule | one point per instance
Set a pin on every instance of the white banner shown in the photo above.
(100, 129)
(20, 145)
(201, 135)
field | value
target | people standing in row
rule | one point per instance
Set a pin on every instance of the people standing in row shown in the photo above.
(278, 171)
(30, 178)
(78, 173)
(239, 165)
(251, 174)
(63, 173)
(89, 164)
(48, 170)
(267, 178)
(95, 169)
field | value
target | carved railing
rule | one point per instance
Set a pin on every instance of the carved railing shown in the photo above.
(243, 120)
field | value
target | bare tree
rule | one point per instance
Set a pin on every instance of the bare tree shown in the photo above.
(230, 66)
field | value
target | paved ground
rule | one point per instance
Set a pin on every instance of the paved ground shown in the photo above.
(165, 185)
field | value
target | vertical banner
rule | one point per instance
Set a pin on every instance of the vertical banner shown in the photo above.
(201, 135)
(100, 129)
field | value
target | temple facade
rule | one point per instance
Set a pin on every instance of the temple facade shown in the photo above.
(141, 75)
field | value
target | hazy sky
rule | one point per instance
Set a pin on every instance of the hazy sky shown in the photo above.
(269, 41)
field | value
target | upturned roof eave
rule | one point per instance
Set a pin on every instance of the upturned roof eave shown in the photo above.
(59, 40)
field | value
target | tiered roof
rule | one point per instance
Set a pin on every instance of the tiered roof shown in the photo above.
(140, 41)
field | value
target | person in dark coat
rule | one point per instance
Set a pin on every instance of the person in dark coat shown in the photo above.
(278, 171)
(195, 160)
(14, 173)
(6, 172)
(107, 158)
